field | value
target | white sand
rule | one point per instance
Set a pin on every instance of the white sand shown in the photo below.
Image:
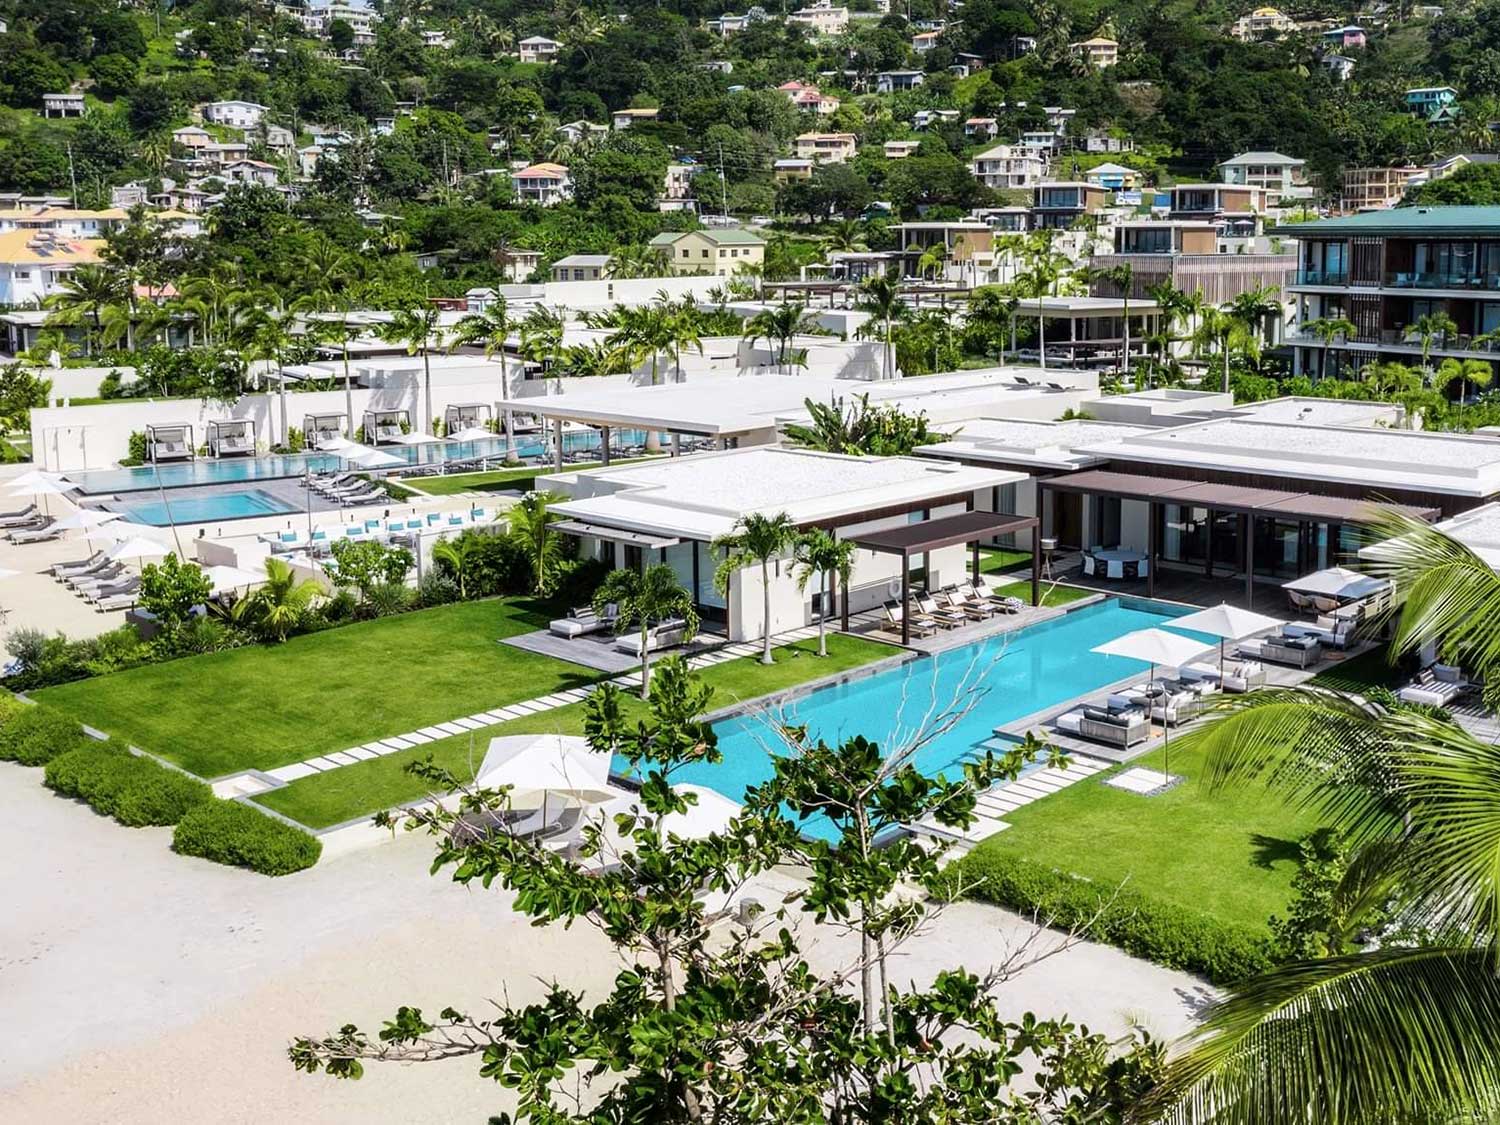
(142, 986)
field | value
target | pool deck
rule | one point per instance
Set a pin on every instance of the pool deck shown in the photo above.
(300, 501)
(873, 623)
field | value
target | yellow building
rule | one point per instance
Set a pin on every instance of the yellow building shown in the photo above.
(719, 252)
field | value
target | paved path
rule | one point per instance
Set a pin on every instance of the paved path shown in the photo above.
(322, 763)
(1006, 797)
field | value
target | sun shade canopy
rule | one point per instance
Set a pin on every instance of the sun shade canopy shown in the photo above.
(946, 531)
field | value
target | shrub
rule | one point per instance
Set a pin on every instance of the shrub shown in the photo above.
(1163, 932)
(134, 790)
(437, 589)
(235, 834)
(136, 446)
(36, 735)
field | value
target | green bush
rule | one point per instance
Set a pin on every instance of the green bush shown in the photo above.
(134, 790)
(1146, 927)
(235, 834)
(35, 735)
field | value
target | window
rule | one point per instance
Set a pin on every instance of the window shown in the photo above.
(686, 252)
(23, 275)
(705, 253)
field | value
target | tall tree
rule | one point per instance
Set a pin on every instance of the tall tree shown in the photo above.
(880, 296)
(780, 325)
(821, 553)
(417, 328)
(755, 540)
(643, 600)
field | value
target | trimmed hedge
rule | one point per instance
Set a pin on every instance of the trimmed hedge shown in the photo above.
(134, 790)
(235, 834)
(34, 735)
(1146, 927)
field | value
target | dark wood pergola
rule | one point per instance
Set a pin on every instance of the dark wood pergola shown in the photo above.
(948, 531)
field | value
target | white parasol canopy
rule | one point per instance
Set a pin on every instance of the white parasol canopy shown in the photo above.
(139, 548)
(473, 433)
(1336, 582)
(224, 578)
(31, 477)
(367, 458)
(536, 765)
(41, 486)
(1154, 646)
(1227, 621)
(338, 441)
(416, 437)
(86, 519)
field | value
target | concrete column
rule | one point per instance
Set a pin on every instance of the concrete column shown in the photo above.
(557, 447)
(604, 445)
(510, 435)
(676, 445)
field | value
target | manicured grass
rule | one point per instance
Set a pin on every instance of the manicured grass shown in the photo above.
(382, 783)
(267, 705)
(1361, 673)
(1051, 595)
(1229, 854)
(997, 560)
(499, 480)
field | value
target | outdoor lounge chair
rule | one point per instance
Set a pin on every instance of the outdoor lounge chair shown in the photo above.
(944, 618)
(1114, 728)
(112, 590)
(78, 566)
(965, 603)
(668, 634)
(31, 523)
(35, 534)
(921, 626)
(1436, 686)
(369, 495)
(103, 576)
(122, 600)
(581, 622)
(19, 518)
(1177, 704)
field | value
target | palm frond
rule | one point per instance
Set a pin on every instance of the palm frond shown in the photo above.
(1388, 1036)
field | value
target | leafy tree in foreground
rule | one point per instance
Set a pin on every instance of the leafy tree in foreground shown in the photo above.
(170, 589)
(1403, 1032)
(736, 1027)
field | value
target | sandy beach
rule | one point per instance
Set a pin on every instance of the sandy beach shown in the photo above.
(143, 986)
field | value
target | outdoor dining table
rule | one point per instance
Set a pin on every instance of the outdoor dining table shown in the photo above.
(1111, 562)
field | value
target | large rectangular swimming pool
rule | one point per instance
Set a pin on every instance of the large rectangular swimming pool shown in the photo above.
(1018, 673)
(227, 505)
(186, 474)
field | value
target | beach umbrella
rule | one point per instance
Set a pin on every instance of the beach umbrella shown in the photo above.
(223, 578)
(138, 548)
(86, 519)
(536, 766)
(473, 433)
(416, 437)
(1336, 582)
(336, 443)
(366, 458)
(41, 485)
(1155, 646)
(33, 476)
(1228, 623)
(712, 813)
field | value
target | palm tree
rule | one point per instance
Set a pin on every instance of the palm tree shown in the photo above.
(992, 311)
(755, 539)
(263, 336)
(685, 327)
(322, 271)
(1328, 329)
(880, 296)
(644, 332)
(1043, 268)
(1255, 307)
(541, 335)
(932, 260)
(1429, 327)
(491, 329)
(846, 236)
(341, 330)
(1221, 329)
(819, 553)
(643, 600)
(779, 326)
(283, 602)
(1402, 1033)
(1463, 372)
(530, 523)
(85, 293)
(417, 328)
(461, 556)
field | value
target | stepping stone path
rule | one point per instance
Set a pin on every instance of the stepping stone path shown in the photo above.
(325, 762)
(1008, 796)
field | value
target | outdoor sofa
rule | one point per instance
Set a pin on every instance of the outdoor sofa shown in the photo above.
(1436, 686)
(1284, 648)
(581, 622)
(668, 634)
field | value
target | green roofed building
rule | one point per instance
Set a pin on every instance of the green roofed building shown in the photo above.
(721, 253)
(1393, 275)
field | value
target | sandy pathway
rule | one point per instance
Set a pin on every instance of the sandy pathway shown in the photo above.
(141, 986)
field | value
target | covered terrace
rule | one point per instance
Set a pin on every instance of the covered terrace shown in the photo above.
(1204, 530)
(964, 528)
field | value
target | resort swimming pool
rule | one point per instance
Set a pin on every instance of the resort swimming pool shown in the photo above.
(185, 474)
(1019, 673)
(227, 505)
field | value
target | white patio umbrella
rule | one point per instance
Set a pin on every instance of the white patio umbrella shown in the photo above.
(367, 458)
(1228, 623)
(139, 548)
(223, 578)
(34, 476)
(337, 442)
(539, 765)
(417, 437)
(472, 433)
(87, 520)
(1155, 646)
(44, 487)
(1336, 582)
(711, 814)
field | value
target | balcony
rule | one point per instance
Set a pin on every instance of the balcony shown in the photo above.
(1481, 282)
(1322, 277)
(1398, 338)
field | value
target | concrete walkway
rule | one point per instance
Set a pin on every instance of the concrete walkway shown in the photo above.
(250, 782)
(995, 802)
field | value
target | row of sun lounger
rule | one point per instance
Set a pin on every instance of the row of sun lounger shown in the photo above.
(951, 607)
(1123, 719)
(347, 489)
(399, 531)
(107, 584)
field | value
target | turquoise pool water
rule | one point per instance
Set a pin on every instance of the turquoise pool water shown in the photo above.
(227, 505)
(1018, 673)
(185, 474)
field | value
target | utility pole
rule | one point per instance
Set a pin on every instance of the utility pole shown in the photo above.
(723, 188)
(72, 174)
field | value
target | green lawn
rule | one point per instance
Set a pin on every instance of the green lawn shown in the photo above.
(267, 705)
(997, 560)
(1361, 673)
(1051, 595)
(498, 480)
(1230, 854)
(382, 783)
